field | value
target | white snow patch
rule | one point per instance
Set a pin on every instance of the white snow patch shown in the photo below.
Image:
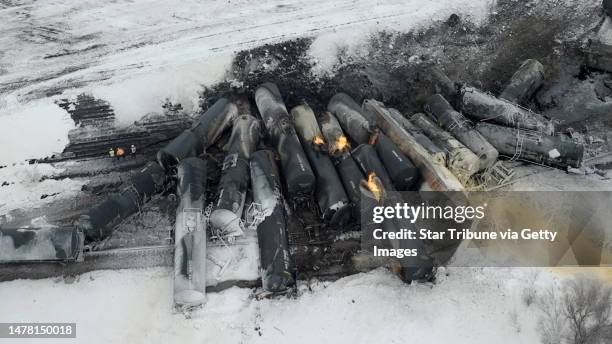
(325, 50)
(145, 92)
(34, 130)
(25, 188)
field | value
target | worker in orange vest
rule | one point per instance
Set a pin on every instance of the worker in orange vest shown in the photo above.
(119, 153)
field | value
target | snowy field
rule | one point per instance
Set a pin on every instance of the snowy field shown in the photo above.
(467, 306)
(134, 55)
(158, 49)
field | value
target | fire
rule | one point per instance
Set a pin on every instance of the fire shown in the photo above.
(341, 144)
(374, 186)
(318, 140)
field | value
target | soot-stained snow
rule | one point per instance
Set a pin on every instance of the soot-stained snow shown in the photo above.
(390, 64)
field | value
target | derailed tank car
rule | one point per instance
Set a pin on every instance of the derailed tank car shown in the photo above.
(349, 115)
(234, 182)
(48, 243)
(297, 172)
(485, 107)
(100, 220)
(275, 261)
(339, 148)
(331, 198)
(190, 234)
(533, 146)
(404, 175)
(203, 133)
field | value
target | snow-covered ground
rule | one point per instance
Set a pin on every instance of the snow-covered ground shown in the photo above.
(467, 306)
(169, 48)
(26, 187)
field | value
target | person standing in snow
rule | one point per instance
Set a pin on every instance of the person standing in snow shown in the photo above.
(119, 153)
(111, 152)
(133, 149)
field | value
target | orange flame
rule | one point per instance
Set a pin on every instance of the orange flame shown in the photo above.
(341, 144)
(374, 186)
(318, 140)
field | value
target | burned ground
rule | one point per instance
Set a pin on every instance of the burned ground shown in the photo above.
(391, 69)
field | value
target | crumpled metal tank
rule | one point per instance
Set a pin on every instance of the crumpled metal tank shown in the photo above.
(296, 169)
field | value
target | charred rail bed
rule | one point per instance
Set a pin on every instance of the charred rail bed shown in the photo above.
(329, 262)
(96, 131)
(126, 258)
